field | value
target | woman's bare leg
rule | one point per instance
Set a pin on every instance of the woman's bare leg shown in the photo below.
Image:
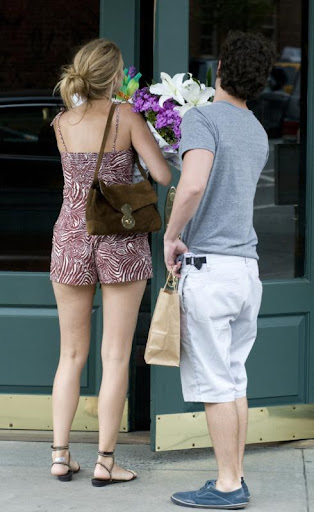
(121, 303)
(74, 308)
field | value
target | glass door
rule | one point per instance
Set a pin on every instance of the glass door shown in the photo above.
(30, 200)
(279, 367)
(279, 212)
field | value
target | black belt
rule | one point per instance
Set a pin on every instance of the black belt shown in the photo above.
(197, 262)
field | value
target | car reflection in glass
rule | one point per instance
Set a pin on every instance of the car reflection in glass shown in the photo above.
(278, 106)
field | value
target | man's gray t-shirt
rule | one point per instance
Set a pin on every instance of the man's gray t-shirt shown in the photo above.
(223, 222)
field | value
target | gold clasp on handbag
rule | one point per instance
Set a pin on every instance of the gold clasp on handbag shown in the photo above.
(128, 221)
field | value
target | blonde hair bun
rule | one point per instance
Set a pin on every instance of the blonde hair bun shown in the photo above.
(93, 73)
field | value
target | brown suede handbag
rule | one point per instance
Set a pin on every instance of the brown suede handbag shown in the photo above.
(121, 209)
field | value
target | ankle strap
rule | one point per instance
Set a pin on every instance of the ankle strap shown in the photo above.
(105, 454)
(58, 448)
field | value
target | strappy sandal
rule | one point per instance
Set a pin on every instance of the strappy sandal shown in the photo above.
(101, 482)
(61, 460)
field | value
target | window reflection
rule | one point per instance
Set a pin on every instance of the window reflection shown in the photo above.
(281, 108)
(31, 176)
(31, 183)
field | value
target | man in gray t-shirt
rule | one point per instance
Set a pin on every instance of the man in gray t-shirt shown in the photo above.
(223, 222)
(224, 150)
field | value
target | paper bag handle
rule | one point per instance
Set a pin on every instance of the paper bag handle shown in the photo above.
(171, 275)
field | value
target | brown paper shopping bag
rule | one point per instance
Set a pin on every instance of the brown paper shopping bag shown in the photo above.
(163, 344)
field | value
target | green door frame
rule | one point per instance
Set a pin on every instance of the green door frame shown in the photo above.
(310, 188)
(120, 23)
(170, 56)
(293, 298)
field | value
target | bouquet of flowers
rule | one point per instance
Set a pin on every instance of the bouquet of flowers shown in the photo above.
(163, 106)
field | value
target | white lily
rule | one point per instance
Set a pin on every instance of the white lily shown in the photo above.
(195, 95)
(170, 88)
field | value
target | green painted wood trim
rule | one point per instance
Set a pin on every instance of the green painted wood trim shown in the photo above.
(171, 54)
(119, 21)
(310, 196)
(171, 51)
(287, 297)
(18, 288)
(30, 288)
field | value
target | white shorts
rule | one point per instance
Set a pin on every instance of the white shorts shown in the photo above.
(219, 309)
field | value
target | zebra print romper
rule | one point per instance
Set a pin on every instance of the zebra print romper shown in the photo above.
(78, 258)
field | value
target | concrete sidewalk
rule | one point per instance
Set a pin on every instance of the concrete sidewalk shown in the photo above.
(280, 478)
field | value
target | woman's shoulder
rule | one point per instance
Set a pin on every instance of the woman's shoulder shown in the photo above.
(129, 116)
(124, 105)
(128, 110)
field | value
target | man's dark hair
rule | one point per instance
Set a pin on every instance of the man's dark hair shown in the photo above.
(246, 62)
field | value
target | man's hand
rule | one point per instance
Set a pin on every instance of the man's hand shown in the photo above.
(172, 249)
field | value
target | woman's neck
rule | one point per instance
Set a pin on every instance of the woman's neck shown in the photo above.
(101, 104)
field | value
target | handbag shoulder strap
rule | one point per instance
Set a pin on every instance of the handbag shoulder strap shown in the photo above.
(139, 165)
(104, 140)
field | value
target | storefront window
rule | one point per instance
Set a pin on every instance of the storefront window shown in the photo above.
(39, 38)
(281, 108)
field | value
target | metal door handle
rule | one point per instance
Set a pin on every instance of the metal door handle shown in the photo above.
(169, 203)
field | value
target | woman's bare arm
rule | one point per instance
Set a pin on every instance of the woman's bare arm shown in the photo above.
(146, 146)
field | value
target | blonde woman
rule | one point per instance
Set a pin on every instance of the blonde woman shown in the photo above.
(121, 263)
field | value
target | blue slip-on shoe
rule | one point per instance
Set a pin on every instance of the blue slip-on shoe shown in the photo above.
(209, 497)
(244, 487)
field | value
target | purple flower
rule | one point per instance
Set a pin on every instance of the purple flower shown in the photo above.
(165, 119)
(140, 97)
(132, 71)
